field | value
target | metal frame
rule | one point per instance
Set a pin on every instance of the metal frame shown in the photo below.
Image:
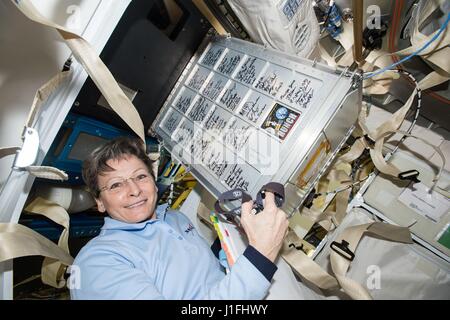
(329, 103)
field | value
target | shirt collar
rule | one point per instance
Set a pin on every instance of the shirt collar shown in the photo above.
(114, 224)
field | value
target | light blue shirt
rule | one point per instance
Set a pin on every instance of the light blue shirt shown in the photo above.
(165, 258)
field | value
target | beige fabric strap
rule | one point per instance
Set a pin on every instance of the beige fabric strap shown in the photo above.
(353, 235)
(389, 168)
(324, 218)
(433, 79)
(53, 269)
(43, 93)
(315, 215)
(6, 151)
(306, 268)
(341, 206)
(395, 121)
(380, 83)
(46, 172)
(436, 55)
(362, 118)
(355, 151)
(20, 241)
(392, 123)
(94, 66)
(337, 177)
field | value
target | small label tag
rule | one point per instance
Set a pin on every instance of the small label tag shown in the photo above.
(289, 8)
(431, 205)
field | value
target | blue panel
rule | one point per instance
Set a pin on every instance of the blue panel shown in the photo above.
(68, 140)
(81, 225)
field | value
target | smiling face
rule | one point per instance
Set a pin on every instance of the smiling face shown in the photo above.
(136, 200)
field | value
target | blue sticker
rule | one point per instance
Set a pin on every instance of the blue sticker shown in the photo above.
(282, 113)
(290, 8)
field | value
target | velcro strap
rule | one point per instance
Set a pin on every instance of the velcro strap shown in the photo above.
(46, 172)
(43, 93)
(53, 269)
(20, 241)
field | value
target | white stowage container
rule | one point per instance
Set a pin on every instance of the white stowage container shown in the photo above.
(30, 55)
(259, 115)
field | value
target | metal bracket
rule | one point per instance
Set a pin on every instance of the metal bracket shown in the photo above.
(357, 78)
(28, 153)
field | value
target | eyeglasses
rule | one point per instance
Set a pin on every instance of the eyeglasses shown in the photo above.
(118, 185)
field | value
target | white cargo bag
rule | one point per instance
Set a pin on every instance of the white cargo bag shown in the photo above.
(391, 270)
(287, 25)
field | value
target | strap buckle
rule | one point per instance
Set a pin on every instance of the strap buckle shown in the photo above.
(292, 245)
(409, 175)
(67, 64)
(310, 198)
(369, 140)
(343, 251)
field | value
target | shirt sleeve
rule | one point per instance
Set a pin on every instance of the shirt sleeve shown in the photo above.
(264, 265)
(243, 282)
(249, 278)
(104, 275)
